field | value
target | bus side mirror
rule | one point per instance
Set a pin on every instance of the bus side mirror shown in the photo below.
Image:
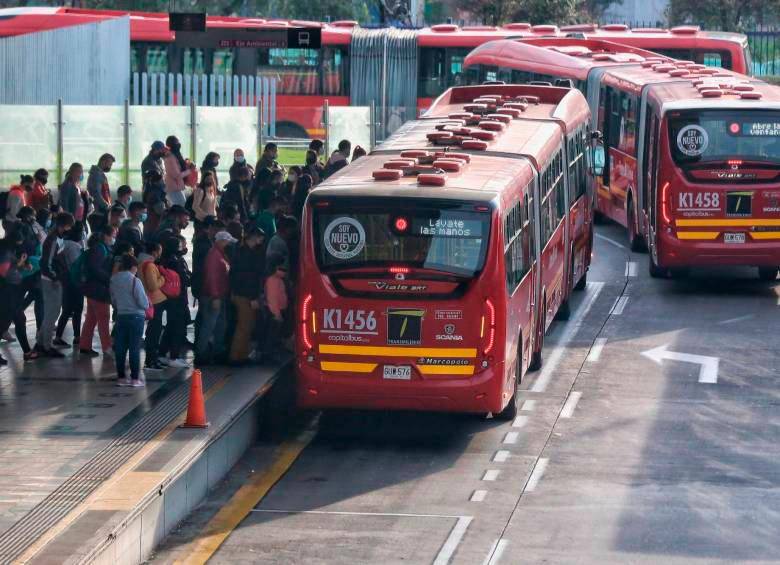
(598, 159)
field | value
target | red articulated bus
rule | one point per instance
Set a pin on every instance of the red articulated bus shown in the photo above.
(706, 196)
(433, 267)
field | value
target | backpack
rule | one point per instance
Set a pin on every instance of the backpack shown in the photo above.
(172, 286)
(77, 274)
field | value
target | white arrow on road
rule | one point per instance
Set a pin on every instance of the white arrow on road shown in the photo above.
(708, 373)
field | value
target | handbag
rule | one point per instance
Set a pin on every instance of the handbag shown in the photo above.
(149, 312)
(172, 286)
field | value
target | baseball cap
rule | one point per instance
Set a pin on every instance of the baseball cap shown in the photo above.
(157, 145)
(225, 236)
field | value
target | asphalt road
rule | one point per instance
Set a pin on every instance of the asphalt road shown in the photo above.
(627, 449)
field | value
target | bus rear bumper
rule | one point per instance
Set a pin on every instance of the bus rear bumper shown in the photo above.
(480, 393)
(673, 252)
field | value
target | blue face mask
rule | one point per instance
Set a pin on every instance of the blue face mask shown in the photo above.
(81, 178)
(144, 217)
(240, 159)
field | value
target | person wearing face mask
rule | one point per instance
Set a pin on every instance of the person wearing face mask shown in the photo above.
(239, 162)
(70, 199)
(97, 273)
(210, 164)
(15, 201)
(175, 334)
(72, 296)
(176, 170)
(155, 200)
(40, 197)
(204, 198)
(124, 196)
(266, 166)
(23, 230)
(238, 192)
(313, 166)
(131, 230)
(153, 162)
(52, 276)
(97, 184)
(287, 189)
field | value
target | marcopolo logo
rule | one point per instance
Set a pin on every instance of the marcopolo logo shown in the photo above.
(692, 140)
(344, 238)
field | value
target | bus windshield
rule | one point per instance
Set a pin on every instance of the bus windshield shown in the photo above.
(445, 238)
(723, 135)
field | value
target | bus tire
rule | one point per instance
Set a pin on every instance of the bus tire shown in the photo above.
(655, 271)
(509, 412)
(537, 360)
(598, 218)
(635, 240)
(291, 130)
(564, 311)
(678, 273)
(767, 273)
(583, 282)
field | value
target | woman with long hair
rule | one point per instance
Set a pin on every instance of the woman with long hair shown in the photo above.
(176, 170)
(204, 198)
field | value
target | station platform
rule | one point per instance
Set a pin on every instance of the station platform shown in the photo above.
(91, 472)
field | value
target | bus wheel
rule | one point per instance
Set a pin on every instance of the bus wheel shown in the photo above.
(510, 410)
(564, 311)
(767, 273)
(583, 282)
(536, 357)
(598, 218)
(655, 271)
(678, 273)
(291, 130)
(634, 239)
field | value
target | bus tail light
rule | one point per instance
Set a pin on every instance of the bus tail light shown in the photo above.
(304, 322)
(487, 329)
(666, 212)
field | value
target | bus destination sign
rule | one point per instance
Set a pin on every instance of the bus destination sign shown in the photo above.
(229, 38)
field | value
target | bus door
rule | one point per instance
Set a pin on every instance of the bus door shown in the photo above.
(535, 214)
(641, 163)
(650, 172)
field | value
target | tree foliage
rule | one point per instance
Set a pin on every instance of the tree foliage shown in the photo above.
(559, 12)
(727, 15)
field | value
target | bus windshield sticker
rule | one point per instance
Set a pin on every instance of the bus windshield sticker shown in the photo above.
(344, 238)
(404, 326)
(692, 140)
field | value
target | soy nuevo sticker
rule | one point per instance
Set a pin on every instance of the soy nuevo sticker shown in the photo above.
(692, 140)
(344, 238)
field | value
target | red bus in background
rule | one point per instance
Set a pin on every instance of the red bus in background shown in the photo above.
(704, 139)
(307, 77)
(433, 267)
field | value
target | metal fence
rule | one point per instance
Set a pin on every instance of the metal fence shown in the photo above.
(765, 51)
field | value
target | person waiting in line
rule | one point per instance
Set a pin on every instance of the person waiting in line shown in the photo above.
(339, 159)
(176, 221)
(131, 231)
(97, 184)
(32, 283)
(266, 218)
(212, 307)
(116, 215)
(201, 245)
(247, 274)
(277, 305)
(40, 197)
(174, 336)
(52, 277)
(358, 153)
(287, 188)
(97, 278)
(130, 302)
(13, 260)
(153, 282)
(279, 245)
(177, 169)
(17, 198)
(302, 189)
(238, 193)
(155, 200)
(266, 166)
(204, 198)
(239, 162)
(124, 196)
(313, 167)
(153, 162)
(72, 292)
(70, 198)
(210, 165)
(318, 146)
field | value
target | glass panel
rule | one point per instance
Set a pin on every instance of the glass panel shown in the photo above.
(151, 123)
(223, 130)
(349, 122)
(28, 141)
(156, 58)
(194, 62)
(296, 70)
(335, 71)
(88, 133)
(223, 62)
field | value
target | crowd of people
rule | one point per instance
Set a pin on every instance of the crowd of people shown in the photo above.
(116, 263)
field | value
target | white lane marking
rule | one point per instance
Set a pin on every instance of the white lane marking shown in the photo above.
(537, 474)
(570, 404)
(511, 437)
(612, 241)
(501, 456)
(448, 549)
(708, 372)
(496, 551)
(478, 496)
(619, 306)
(734, 320)
(595, 351)
(520, 421)
(592, 292)
(630, 269)
(491, 475)
(528, 406)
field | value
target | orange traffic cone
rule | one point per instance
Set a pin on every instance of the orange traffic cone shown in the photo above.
(196, 411)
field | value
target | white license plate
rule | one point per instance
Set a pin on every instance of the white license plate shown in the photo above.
(734, 238)
(397, 372)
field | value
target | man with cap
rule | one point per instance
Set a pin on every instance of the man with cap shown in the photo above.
(212, 307)
(153, 161)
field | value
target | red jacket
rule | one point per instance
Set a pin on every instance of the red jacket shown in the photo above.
(216, 274)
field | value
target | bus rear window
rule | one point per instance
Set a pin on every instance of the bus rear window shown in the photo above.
(452, 241)
(721, 136)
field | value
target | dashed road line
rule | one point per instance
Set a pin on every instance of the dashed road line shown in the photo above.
(501, 456)
(520, 421)
(592, 292)
(491, 475)
(611, 241)
(595, 351)
(537, 474)
(528, 406)
(511, 437)
(496, 551)
(570, 404)
(478, 496)
(453, 540)
(631, 268)
(734, 320)
(619, 306)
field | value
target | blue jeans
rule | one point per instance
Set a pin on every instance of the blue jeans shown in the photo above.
(212, 328)
(129, 332)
